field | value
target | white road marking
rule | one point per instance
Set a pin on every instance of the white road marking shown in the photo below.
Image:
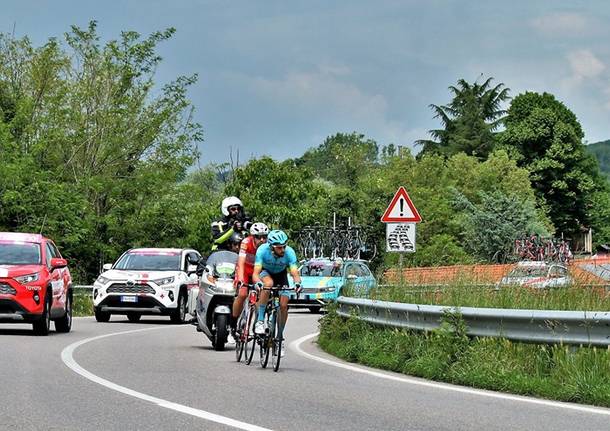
(68, 359)
(296, 345)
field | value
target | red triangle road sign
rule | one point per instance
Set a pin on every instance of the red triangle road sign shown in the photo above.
(401, 209)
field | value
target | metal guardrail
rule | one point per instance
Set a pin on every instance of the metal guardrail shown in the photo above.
(536, 326)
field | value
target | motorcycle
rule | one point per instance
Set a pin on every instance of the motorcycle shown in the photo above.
(215, 298)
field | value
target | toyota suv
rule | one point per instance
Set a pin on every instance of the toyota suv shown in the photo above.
(35, 283)
(151, 281)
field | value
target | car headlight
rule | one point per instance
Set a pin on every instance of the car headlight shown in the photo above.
(164, 281)
(24, 279)
(102, 280)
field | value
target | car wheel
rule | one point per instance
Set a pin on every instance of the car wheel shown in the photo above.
(315, 310)
(43, 325)
(134, 317)
(64, 323)
(102, 316)
(178, 316)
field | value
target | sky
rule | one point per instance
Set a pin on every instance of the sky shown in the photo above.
(278, 77)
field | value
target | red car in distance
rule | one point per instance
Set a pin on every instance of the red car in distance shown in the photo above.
(35, 283)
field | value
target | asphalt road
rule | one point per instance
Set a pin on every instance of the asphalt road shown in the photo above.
(153, 375)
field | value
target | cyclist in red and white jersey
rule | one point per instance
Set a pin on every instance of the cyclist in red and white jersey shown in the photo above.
(245, 267)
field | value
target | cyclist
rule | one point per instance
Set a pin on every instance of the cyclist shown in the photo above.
(245, 267)
(234, 220)
(271, 265)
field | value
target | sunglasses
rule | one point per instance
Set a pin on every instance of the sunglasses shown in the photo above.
(279, 246)
(234, 208)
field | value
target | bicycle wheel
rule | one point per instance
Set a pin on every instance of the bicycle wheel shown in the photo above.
(276, 351)
(265, 342)
(239, 337)
(250, 339)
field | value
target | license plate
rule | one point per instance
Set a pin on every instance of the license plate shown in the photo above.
(129, 299)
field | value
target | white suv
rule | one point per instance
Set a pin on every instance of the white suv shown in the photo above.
(154, 281)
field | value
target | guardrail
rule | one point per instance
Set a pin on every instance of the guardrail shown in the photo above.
(536, 326)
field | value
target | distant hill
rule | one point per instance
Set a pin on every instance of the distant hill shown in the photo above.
(601, 150)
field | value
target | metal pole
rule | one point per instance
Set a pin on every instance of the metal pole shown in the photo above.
(400, 265)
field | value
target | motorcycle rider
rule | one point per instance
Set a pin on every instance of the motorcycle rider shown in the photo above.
(245, 267)
(234, 220)
(272, 262)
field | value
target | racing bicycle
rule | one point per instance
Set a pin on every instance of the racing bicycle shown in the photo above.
(271, 342)
(244, 341)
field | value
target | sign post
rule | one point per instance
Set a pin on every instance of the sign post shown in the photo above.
(401, 218)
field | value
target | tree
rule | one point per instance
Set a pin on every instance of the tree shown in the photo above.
(547, 139)
(279, 193)
(469, 121)
(492, 226)
(89, 141)
(342, 158)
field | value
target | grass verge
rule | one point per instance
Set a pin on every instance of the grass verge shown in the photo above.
(573, 297)
(580, 375)
(83, 305)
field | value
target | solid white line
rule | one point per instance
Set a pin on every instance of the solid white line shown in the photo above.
(68, 359)
(296, 345)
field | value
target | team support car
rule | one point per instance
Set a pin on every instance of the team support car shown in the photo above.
(151, 281)
(35, 283)
(324, 280)
(537, 275)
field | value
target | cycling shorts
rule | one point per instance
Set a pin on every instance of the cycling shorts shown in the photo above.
(279, 279)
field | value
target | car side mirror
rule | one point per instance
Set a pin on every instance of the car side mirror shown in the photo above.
(193, 259)
(107, 267)
(58, 262)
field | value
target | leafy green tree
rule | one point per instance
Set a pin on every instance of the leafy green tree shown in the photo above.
(469, 121)
(90, 141)
(342, 158)
(547, 138)
(279, 193)
(492, 226)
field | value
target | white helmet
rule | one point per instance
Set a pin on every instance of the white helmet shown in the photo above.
(259, 229)
(229, 202)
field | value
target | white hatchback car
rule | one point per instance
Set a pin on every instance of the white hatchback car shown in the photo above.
(152, 281)
(537, 275)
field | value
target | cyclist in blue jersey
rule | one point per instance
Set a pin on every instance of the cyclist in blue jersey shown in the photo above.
(271, 265)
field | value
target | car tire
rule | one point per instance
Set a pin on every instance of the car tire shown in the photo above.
(102, 316)
(134, 317)
(42, 326)
(315, 309)
(64, 323)
(178, 316)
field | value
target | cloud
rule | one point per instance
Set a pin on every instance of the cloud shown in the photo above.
(327, 94)
(585, 64)
(560, 23)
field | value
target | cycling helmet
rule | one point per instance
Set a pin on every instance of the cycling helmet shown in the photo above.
(277, 237)
(259, 229)
(229, 202)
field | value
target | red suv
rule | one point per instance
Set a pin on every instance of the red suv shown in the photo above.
(35, 283)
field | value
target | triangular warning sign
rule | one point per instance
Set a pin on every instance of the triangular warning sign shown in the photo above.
(401, 209)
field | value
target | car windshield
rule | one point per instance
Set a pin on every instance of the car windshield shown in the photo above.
(321, 269)
(137, 261)
(13, 253)
(529, 271)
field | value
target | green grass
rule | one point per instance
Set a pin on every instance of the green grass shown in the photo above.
(83, 305)
(580, 375)
(466, 295)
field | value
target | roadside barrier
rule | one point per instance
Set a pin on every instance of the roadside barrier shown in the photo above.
(591, 328)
